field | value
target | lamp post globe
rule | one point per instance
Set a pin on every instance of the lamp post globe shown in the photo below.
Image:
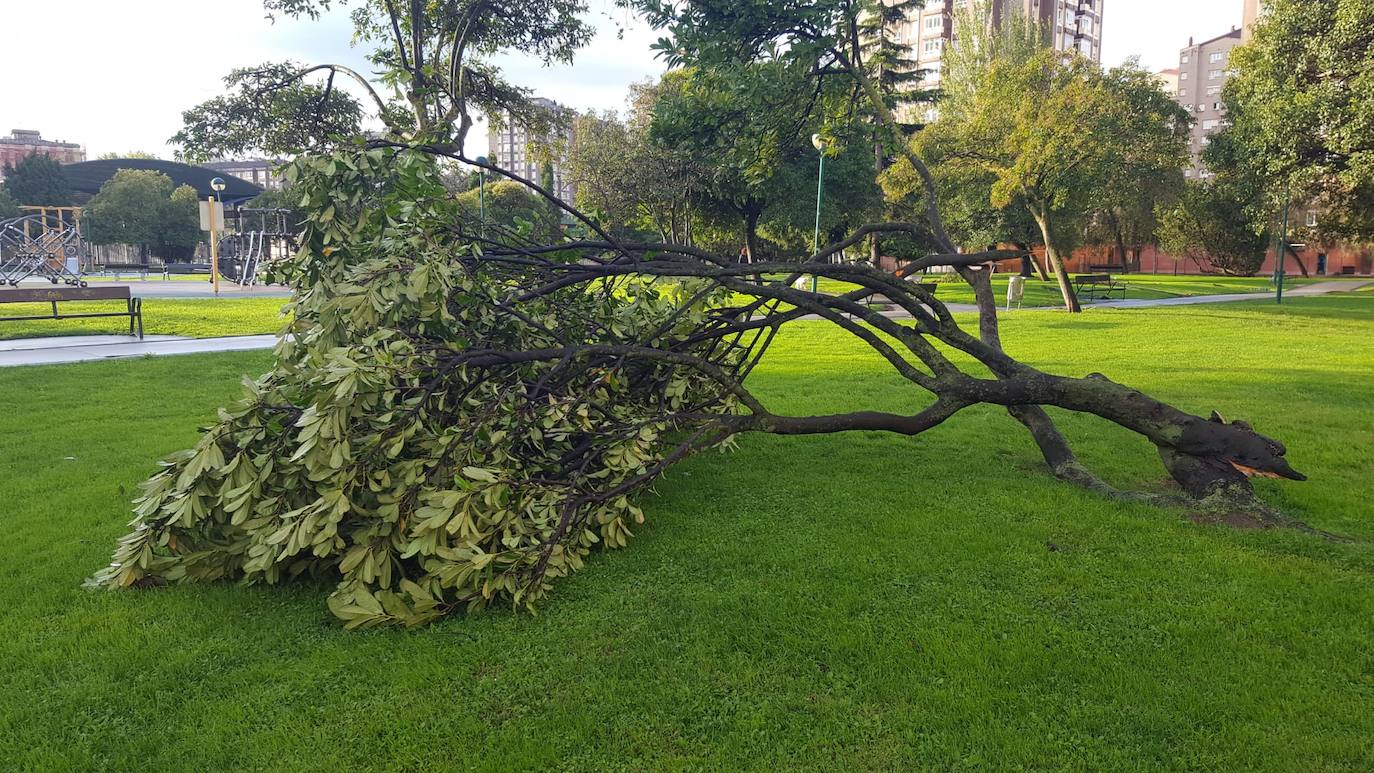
(820, 143)
(218, 184)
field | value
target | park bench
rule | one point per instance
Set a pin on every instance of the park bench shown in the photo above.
(1097, 286)
(186, 268)
(133, 306)
(126, 268)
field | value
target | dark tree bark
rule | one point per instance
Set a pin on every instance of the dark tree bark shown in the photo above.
(1042, 219)
(1298, 259)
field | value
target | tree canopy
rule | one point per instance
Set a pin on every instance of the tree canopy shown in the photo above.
(1300, 109)
(1060, 137)
(266, 110)
(139, 207)
(38, 180)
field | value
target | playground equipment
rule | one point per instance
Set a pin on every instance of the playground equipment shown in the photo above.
(45, 243)
(246, 251)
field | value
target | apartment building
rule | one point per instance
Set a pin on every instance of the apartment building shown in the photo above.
(1074, 25)
(1253, 9)
(517, 149)
(262, 172)
(1168, 80)
(22, 143)
(1203, 69)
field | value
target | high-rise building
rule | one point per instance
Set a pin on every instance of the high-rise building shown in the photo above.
(1253, 9)
(1074, 25)
(1168, 80)
(25, 142)
(1203, 69)
(521, 150)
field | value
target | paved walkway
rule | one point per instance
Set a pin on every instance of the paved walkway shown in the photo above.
(48, 351)
(1320, 288)
(172, 288)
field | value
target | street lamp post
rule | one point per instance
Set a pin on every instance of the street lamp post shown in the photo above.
(482, 194)
(820, 144)
(1281, 254)
(217, 185)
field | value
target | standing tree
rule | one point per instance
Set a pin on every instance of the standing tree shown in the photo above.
(636, 184)
(742, 126)
(1300, 109)
(896, 73)
(1057, 136)
(1212, 225)
(8, 206)
(38, 180)
(139, 207)
(269, 110)
(456, 420)
(180, 232)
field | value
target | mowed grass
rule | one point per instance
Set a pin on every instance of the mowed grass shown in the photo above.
(1138, 286)
(858, 602)
(191, 317)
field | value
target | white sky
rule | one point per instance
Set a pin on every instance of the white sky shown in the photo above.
(115, 76)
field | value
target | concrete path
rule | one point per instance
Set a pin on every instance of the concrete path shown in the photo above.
(172, 288)
(1320, 288)
(49, 351)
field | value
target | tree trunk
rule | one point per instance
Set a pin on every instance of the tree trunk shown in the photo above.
(1042, 219)
(1298, 259)
(875, 249)
(1039, 269)
(1120, 243)
(751, 233)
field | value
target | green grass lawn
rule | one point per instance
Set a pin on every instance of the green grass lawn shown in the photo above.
(1142, 286)
(192, 317)
(863, 602)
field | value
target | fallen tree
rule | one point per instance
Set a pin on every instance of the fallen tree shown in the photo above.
(459, 412)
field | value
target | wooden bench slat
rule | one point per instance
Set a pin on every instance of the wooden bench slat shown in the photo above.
(46, 294)
(55, 295)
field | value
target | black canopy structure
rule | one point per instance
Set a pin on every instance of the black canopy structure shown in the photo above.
(87, 177)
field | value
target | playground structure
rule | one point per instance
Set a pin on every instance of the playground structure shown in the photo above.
(46, 243)
(259, 239)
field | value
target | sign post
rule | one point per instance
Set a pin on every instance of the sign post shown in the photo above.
(212, 219)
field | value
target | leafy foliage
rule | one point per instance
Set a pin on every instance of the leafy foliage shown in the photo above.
(139, 207)
(1301, 109)
(8, 206)
(385, 451)
(38, 180)
(1212, 226)
(1060, 137)
(267, 110)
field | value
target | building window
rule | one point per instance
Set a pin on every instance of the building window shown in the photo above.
(932, 47)
(1311, 219)
(1187, 173)
(1210, 123)
(1183, 76)
(1184, 59)
(1218, 56)
(1213, 90)
(1214, 74)
(935, 22)
(1183, 93)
